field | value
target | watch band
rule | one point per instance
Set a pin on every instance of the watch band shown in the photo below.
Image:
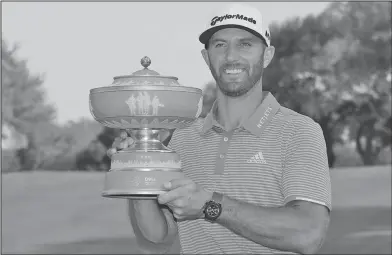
(217, 197)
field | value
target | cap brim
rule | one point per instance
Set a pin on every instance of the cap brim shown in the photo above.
(206, 35)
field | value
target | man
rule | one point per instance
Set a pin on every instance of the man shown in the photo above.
(257, 177)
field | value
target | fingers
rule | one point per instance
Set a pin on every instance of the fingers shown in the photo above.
(180, 208)
(123, 135)
(120, 143)
(170, 196)
(111, 152)
(177, 197)
(176, 183)
(176, 188)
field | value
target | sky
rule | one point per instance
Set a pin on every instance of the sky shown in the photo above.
(83, 45)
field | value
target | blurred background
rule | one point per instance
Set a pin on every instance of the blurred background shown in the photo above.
(332, 63)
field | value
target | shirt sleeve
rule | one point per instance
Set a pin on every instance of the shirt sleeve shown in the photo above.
(306, 173)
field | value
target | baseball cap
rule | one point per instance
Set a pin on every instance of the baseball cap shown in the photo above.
(237, 16)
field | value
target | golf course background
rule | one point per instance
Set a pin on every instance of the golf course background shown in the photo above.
(332, 65)
(63, 212)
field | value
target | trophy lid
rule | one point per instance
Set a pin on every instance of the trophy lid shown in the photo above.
(145, 76)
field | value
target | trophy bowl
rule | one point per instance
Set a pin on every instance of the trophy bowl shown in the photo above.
(144, 104)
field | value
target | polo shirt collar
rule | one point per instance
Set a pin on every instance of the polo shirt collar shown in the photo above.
(256, 123)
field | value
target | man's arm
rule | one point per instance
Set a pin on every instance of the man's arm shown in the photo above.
(153, 224)
(299, 226)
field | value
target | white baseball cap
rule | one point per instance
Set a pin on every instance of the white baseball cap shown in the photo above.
(238, 16)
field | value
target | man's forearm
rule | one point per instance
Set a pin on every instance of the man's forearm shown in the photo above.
(282, 228)
(154, 228)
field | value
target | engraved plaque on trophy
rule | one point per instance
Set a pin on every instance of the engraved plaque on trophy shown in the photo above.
(144, 104)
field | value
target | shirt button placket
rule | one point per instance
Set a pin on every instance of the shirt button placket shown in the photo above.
(223, 148)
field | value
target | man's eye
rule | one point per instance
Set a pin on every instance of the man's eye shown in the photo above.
(246, 44)
(218, 45)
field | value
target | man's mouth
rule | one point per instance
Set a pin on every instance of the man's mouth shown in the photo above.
(234, 71)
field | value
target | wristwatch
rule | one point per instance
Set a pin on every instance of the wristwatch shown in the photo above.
(213, 208)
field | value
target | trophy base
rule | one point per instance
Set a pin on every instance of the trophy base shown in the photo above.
(132, 194)
(138, 183)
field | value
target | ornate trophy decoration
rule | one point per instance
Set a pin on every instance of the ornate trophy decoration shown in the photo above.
(144, 104)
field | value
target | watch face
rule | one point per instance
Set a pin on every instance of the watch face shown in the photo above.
(213, 210)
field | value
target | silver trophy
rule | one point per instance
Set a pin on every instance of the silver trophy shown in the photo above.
(144, 104)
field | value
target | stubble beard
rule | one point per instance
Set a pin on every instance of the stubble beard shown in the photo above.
(246, 86)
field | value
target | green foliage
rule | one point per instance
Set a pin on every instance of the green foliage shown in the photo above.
(335, 68)
(82, 132)
(366, 65)
(23, 97)
(94, 157)
(26, 112)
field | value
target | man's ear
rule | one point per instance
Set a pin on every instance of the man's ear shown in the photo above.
(204, 52)
(269, 53)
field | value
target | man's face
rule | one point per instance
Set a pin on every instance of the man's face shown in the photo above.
(236, 59)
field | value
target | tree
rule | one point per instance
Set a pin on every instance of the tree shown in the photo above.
(373, 120)
(46, 144)
(23, 99)
(321, 61)
(364, 32)
(94, 157)
(24, 107)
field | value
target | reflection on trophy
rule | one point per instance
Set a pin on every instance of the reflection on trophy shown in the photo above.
(144, 104)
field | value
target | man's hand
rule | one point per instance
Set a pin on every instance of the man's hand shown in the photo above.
(120, 143)
(185, 199)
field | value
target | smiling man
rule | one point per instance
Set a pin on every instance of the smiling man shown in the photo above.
(257, 177)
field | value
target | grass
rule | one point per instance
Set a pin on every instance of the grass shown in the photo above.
(50, 207)
(63, 212)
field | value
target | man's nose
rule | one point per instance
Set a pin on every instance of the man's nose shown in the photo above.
(232, 53)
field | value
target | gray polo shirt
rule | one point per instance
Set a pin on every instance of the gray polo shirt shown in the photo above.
(274, 157)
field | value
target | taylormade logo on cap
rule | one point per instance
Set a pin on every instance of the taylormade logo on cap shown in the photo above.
(237, 15)
(228, 16)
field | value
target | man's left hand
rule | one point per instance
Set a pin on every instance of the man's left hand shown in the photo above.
(185, 198)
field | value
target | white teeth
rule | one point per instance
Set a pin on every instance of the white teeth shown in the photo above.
(233, 71)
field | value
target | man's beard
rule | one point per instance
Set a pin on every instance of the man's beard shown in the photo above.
(244, 88)
(233, 93)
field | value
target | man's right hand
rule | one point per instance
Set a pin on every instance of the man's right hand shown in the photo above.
(120, 143)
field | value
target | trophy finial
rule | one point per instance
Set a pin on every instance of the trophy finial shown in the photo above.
(146, 61)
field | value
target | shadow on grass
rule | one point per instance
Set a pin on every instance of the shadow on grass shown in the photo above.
(352, 231)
